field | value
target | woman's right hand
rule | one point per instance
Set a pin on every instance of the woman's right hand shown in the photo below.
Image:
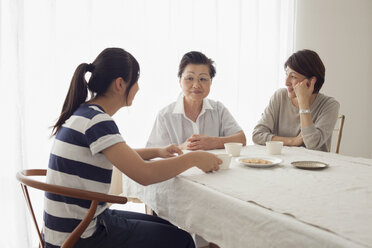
(303, 91)
(290, 141)
(298, 140)
(207, 162)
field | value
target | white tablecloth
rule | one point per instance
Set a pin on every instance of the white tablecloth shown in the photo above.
(280, 206)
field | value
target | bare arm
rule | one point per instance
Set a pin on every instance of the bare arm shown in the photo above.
(147, 153)
(130, 163)
(204, 142)
(239, 137)
(164, 152)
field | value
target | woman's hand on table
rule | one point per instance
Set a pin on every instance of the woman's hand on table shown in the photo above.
(201, 142)
(298, 140)
(290, 141)
(169, 151)
(207, 162)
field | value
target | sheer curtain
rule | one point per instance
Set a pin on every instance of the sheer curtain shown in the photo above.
(43, 41)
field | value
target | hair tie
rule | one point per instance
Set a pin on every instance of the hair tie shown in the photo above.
(90, 67)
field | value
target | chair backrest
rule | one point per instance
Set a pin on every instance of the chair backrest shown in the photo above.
(338, 130)
(24, 178)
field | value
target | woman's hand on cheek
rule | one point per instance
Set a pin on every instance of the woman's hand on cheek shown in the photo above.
(303, 91)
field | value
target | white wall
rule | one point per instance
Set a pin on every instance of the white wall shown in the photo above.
(341, 32)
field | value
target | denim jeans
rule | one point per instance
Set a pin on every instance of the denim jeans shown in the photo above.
(117, 228)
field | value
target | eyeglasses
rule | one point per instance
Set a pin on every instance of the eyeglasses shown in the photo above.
(192, 79)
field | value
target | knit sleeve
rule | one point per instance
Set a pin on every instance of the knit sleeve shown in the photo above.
(264, 130)
(317, 135)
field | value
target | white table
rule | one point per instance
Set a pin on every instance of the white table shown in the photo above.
(280, 206)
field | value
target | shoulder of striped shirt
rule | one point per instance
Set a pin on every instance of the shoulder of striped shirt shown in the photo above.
(80, 123)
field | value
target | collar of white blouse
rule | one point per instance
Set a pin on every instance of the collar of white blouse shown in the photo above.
(180, 109)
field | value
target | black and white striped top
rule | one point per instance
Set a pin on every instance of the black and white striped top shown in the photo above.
(76, 161)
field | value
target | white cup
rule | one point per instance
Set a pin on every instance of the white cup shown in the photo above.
(274, 147)
(233, 148)
(226, 160)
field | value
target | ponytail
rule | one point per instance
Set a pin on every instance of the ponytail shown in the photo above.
(76, 95)
(110, 64)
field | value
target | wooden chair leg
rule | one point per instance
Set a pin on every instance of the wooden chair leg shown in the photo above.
(149, 211)
(31, 210)
(75, 235)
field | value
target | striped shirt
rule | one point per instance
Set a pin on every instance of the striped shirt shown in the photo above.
(76, 161)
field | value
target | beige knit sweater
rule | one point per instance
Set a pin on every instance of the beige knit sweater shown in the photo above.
(281, 118)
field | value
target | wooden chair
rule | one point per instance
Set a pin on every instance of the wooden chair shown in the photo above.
(338, 130)
(24, 178)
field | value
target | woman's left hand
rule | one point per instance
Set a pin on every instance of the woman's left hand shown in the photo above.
(303, 91)
(169, 151)
(201, 142)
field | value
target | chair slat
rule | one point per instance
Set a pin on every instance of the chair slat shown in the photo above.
(339, 130)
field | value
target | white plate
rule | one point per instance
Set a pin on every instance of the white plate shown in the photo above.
(273, 161)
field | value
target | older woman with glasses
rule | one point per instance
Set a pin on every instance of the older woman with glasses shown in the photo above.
(194, 122)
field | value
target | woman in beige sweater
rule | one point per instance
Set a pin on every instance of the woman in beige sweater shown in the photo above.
(299, 115)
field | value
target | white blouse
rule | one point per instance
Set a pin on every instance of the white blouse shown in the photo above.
(172, 126)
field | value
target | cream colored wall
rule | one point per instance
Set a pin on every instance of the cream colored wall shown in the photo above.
(341, 32)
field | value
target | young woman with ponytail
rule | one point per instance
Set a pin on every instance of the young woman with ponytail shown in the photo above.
(88, 144)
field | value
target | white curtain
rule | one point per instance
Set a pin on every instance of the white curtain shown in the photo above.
(43, 41)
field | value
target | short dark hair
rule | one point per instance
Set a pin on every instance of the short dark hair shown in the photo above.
(309, 64)
(196, 58)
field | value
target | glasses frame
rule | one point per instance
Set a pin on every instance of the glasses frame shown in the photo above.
(198, 79)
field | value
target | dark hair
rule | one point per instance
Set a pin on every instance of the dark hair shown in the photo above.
(196, 58)
(309, 64)
(110, 64)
